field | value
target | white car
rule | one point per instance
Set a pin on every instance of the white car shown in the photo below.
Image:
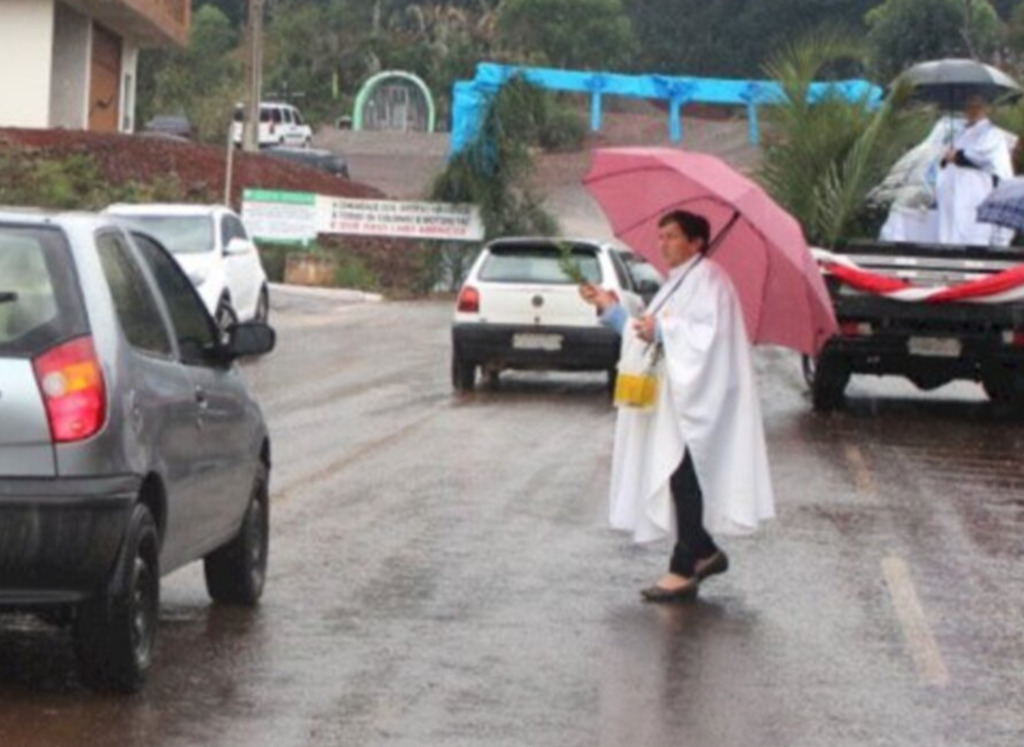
(215, 251)
(519, 310)
(280, 124)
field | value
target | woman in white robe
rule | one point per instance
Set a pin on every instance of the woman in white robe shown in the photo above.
(695, 465)
(979, 158)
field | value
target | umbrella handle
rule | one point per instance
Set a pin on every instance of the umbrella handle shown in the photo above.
(717, 241)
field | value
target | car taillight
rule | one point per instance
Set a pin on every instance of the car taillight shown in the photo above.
(1014, 337)
(855, 329)
(469, 300)
(71, 380)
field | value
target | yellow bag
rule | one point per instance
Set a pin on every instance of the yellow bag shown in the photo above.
(636, 390)
(636, 384)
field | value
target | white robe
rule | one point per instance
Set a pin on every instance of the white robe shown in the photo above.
(962, 189)
(708, 404)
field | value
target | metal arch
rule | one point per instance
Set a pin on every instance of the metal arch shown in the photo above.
(370, 86)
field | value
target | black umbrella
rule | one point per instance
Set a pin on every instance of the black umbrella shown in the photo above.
(951, 82)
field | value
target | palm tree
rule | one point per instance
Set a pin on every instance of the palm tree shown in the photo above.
(823, 158)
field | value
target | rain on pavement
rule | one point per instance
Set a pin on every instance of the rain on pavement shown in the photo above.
(441, 574)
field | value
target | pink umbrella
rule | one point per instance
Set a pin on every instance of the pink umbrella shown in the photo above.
(760, 245)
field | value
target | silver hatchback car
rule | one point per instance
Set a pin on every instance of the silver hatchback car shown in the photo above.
(129, 444)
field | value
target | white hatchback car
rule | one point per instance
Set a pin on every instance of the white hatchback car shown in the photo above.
(519, 310)
(215, 251)
(280, 124)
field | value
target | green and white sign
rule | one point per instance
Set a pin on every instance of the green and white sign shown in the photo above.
(297, 217)
(279, 216)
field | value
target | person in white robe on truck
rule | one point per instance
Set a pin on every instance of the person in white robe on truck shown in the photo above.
(978, 159)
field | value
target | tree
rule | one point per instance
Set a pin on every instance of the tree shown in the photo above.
(440, 43)
(204, 81)
(730, 38)
(234, 10)
(1015, 29)
(313, 48)
(327, 49)
(572, 34)
(1005, 7)
(902, 32)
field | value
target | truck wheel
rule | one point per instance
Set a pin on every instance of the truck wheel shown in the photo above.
(463, 373)
(1004, 386)
(236, 572)
(115, 633)
(830, 374)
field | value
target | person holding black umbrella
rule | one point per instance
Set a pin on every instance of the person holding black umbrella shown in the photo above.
(978, 159)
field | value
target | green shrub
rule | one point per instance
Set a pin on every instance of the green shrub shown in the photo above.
(274, 258)
(76, 182)
(352, 272)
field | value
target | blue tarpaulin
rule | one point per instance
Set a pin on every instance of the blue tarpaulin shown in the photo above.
(471, 97)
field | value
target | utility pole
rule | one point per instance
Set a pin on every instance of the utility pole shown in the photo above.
(254, 58)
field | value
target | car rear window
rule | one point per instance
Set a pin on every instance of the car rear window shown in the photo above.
(537, 263)
(40, 303)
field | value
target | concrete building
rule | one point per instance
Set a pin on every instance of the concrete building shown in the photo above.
(72, 63)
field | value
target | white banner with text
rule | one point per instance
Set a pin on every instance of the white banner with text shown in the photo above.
(393, 219)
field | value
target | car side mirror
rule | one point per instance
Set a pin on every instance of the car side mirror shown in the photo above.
(249, 339)
(236, 246)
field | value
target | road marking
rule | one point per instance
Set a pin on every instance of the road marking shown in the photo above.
(930, 666)
(862, 478)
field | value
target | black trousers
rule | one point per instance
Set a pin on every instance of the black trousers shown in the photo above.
(694, 543)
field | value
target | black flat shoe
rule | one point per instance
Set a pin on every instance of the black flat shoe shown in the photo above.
(712, 565)
(660, 595)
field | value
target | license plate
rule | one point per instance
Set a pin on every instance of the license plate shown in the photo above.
(526, 341)
(937, 347)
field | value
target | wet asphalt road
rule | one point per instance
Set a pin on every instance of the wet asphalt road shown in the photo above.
(441, 574)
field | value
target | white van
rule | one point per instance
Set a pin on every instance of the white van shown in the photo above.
(280, 124)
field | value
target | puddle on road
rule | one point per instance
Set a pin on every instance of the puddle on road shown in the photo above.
(195, 682)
